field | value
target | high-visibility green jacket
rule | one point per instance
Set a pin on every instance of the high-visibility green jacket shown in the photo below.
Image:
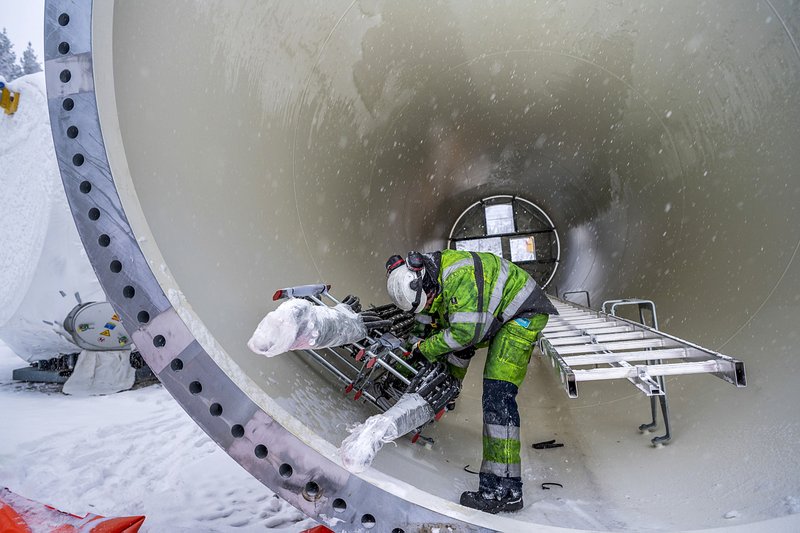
(479, 293)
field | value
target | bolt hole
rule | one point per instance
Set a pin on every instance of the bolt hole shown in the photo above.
(368, 521)
(312, 489)
(215, 409)
(94, 213)
(339, 505)
(68, 104)
(261, 451)
(65, 76)
(398, 530)
(237, 431)
(159, 342)
(72, 132)
(128, 291)
(195, 387)
(63, 19)
(285, 471)
(176, 365)
(85, 187)
(104, 240)
(143, 317)
(78, 159)
(115, 266)
(63, 48)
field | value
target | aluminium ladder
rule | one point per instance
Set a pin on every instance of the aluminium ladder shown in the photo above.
(588, 345)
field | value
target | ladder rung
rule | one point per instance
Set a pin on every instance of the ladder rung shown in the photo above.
(602, 358)
(614, 346)
(600, 339)
(569, 327)
(595, 323)
(584, 321)
(571, 332)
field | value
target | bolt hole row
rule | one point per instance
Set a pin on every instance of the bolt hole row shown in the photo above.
(285, 470)
(159, 341)
(104, 240)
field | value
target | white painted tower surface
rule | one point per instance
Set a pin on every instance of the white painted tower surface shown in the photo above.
(237, 147)
(44, 271)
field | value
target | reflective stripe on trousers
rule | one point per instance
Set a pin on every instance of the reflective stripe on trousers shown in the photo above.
(502, 470)
(501, 445)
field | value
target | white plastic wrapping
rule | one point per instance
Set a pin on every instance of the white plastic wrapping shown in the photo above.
(98, 373)
(359, 449)
(298, 324)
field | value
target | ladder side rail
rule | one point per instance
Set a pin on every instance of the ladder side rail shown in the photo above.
(566, 373)
(709, 366)
(733, 370)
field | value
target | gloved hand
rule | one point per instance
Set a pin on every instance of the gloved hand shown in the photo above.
(373, 321)
(416, 353)
(353, 301)
(435, 384)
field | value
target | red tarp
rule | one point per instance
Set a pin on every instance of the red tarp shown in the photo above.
(21, 515)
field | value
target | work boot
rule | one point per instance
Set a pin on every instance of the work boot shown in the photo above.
(489, 502)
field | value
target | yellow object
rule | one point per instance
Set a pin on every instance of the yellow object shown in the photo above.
(9, 101)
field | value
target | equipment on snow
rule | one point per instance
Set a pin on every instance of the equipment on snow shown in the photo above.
(9, 101)
(96, 326)
(98, 373)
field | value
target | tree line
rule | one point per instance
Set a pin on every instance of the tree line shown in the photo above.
(10, 69)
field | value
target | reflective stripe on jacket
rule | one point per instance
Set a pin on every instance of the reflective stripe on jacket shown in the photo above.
(480, 291)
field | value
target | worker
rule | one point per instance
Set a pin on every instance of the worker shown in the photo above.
(471, 300)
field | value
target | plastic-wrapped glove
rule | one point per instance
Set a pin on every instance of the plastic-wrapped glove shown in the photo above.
(435, 385)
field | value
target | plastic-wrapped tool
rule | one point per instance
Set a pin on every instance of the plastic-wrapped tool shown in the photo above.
(359, 449)
(427, 394)
(298, 324)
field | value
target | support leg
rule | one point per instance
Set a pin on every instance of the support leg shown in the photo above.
(666, 437)
(653, 414)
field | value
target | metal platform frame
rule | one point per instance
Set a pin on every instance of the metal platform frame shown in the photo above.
(362, 363)
(588, 345)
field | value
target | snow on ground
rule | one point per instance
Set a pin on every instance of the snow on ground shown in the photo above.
(131, 453)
